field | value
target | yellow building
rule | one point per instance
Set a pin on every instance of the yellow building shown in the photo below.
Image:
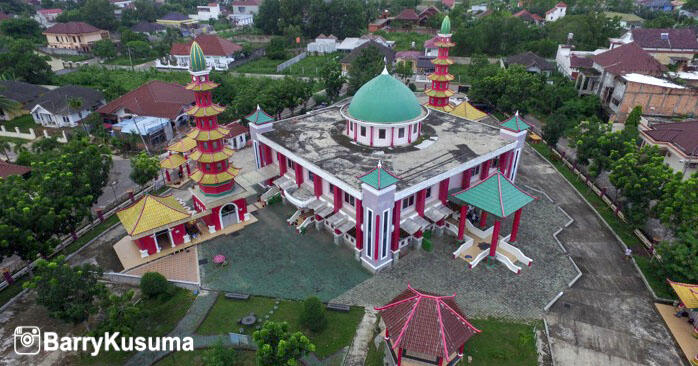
(74, 35)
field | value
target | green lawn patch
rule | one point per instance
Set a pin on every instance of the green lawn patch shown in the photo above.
(311, 65)
(624, 230)
(101, 78)
(125, 61)
(158, 319)
(24, 122)
(403, 40)
(503, 343)
(195, 358)
(91, 234)
(262, 65)
(224, 316)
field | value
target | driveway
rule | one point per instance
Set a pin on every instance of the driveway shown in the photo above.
(608, 316)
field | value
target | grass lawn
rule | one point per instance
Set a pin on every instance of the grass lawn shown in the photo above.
(24, 122)
(158, 318)
(94, 232)
(262, 65)
(123, 60)
(624, 230)
(403, 40)
(340, 330)
(101, 78)
(244, 358)
(311, 65)
(501, 343)
(11, 291)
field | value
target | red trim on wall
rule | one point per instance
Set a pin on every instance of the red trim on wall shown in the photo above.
(396, 224)
(377, 236)
(359, 219)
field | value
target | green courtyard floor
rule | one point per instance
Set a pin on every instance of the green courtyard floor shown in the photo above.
(269, 258)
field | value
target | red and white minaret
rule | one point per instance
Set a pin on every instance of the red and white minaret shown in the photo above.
(439, 91)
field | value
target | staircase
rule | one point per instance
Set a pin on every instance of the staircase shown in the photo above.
(273, 191)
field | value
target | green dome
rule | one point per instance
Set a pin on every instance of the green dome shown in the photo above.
(446, 26)
(384, 99)
(197, 61)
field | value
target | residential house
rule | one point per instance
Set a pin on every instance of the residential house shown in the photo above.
(245, 6)
(120, 5)
(427, 13)
(656, 96)
(430, 48)
(8, 169)
(238, 135)
(156, 99)
(351, 43)
(387, 53)
(219, 53)
(479, 8)
(150, 29)
(558, 11)
(207, 12)
(241, 20)
(626, 20)
(323, 44)
(570, 62)
(176, 20)
(656, 5)
(24, 94)
(66, 106)
(379, 24)
(77, 36)
(47, 17)
(531, 62)
(424, 65)
(154, 131)
(678, 141)
(667, 45)
(407, 18)
(448, 4)
(529, 17)
(410, 57)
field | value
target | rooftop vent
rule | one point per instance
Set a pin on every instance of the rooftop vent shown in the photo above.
(665, 36)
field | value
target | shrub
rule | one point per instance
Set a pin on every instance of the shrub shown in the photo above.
(313, 316)
(426, 244)
(154, 284)
(412, 87)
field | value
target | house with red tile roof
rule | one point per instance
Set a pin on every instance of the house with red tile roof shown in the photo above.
(448, 3)
(556, 12)
(47, 17)
(77, 36)
(407, 18)
(678, 140)
(529, 17)
(219, 53)
(237, 135)
(156, 98)
(667, 45)
(8, 169)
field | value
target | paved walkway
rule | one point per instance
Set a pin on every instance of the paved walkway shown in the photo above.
(364, 334)
(607, 317)
(186, 327)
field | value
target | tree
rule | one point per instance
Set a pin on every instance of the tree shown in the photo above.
(332, 79)
(313, 316)
(21, 61)
(678, 206)
(510, 89)
(5, 147)
(139, 49)
(104, 48)
(404, 70)
(277, 347)
(69, 293)
(21, 28)
(598, 147)
(120, 314)
(679, 257)
(276, 50)
(99, 13)
(690, 5)
(218, 355)
(153, 284)
(144, 168)
(367, 65)
(268, 17)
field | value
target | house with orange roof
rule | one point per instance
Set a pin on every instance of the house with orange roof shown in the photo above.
(556, 12)
(219, 53)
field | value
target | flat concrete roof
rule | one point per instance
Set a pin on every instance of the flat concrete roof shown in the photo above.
(318, 138)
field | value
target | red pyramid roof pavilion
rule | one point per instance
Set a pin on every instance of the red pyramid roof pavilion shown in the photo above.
(426, 323)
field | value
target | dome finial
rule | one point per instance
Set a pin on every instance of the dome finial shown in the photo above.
(385, 70)
(445, 25)
(197, 60)
(379, 164)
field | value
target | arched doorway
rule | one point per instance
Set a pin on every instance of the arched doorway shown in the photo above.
(229, 214)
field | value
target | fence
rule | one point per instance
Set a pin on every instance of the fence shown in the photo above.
(134, 280)
(31, 135)
(284, 65)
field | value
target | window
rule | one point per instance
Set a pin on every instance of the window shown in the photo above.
(205, 145)
(428, 192)
(414, 128)
(348, 199)
(408, 201)
(311, 176)
(363, 131)
(290, 163)
(66, 119)
(401, 132)
(369, 234)
(476, 170)
(384, 249)
(381, 133)
(331, 186)
(208, 167)
(219, 166)
(351, 127)
(495, 162)
(215, 144)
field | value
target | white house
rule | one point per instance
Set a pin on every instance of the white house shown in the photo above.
(245, 6)
(557, 12)
(207, 12)
(323, 44)
(219, 53)
(66, 106)
(237, 137)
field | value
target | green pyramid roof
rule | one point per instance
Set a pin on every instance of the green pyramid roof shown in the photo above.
(384, 99)
(259, 116)
(515, 123)
(445, 26)
(496, 195)
(379, 178)
(197, 61)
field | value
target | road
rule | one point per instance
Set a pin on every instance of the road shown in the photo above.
(608, 316)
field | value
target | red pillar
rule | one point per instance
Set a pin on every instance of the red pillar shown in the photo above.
(495, 237)
(399, 356)
(421, 198)
(467, 175)
(376, 237)
(485, 170)
(267, 155)
(396, 224)
(515, 228)
(461, 222)
(188, 169)
(441, 360)
(282, 163)
(392, 136)
(503, 162)
(299, 174)
(100, 213)
(317, 185)
(510, 166)
(337, 199)
(356, 131)
(347, 127)
(371, 137)
(359, 219)
(167, 175)
(262, 161)
(181, 170)
(483, 219)
(419, 129)
(443, 190)
(409, 134)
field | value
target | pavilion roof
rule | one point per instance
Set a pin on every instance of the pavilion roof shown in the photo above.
(259, 117)
(173, 161)
(151, 212)
(515, 123)
(687, 293)
(186, 144)
(379, 178)
(467, 111)
(426, 323)
(496, 195)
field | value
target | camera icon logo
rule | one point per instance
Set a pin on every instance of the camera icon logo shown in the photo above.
(27, 340)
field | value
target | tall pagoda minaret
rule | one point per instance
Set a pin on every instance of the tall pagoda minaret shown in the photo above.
(439, 91)
(214, 174)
